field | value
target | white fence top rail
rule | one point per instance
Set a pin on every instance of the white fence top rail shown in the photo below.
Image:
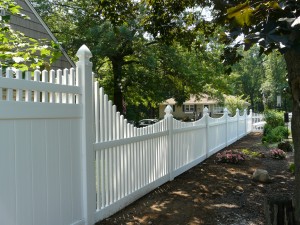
(46, 86)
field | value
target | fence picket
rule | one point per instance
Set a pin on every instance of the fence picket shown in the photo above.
(52, 81)
(59, 81)
(19, 92)
(36, 94)
(1, 90)
(9, 91)
(71, 83)
(65, 81)
(45, 97)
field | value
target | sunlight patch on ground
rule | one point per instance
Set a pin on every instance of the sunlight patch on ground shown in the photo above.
(142, 220)
(234, 172)
(181, 193)
(224, 205)
(203, 188)
(159, 207)
(195, 220)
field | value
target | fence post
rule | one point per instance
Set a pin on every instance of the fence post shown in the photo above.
(206, 115)
(251, 116)
(169, 118)
(246, 121)
(237, 123)
(85, 79)
(226, 125)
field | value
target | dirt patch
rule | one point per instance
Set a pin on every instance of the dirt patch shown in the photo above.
(213, 193)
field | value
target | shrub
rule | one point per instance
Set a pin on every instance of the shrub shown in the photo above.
(285, 146)
(267, 129)
(281, 132)
(229, 156)
(274, 118)
(277, 153)
(276, 134)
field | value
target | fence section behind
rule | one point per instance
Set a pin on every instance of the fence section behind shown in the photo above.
(258, 122)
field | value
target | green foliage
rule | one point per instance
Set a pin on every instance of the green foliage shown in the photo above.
(252, 154)
(276, 134)
(274, 118)
(292, 168)
(235, 102)
(274, 80)
(274, 130)
(18, 50)
(247, 76)
(133, 63)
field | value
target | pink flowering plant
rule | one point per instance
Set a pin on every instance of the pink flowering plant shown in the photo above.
(230, 156)
(277, 153)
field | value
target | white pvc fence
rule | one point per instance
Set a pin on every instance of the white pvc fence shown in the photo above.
(67, 156)
(40, 153)
(258, 122)
(132, 161)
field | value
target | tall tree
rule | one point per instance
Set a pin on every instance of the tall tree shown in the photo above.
(274, 83)
(139, 61)
(247, 76)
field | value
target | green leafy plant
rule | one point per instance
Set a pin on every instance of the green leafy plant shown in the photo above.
(231, 156)
(276, 134)
(292, 168)
(252, 154)
(274, 118)
(277, 153)
(20, 51)
(235, 102)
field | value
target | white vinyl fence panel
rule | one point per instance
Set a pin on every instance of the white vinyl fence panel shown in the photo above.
(68, 157)
(40, 165)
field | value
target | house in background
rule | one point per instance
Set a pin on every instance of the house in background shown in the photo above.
(192, 109)
(37, 29)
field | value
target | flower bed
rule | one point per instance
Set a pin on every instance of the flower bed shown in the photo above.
(230, 156)
(277, 153)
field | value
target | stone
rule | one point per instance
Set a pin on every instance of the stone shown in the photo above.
(261, 176)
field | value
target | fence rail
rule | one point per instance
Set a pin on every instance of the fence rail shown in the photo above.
(68, 157)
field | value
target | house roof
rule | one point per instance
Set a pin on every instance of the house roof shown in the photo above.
(204, 100)
(37, 28)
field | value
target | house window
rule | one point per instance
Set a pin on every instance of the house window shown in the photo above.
(189, 108)
(218, 109)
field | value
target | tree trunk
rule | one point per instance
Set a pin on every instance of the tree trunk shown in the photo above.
(118, 94)
(292, 59)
